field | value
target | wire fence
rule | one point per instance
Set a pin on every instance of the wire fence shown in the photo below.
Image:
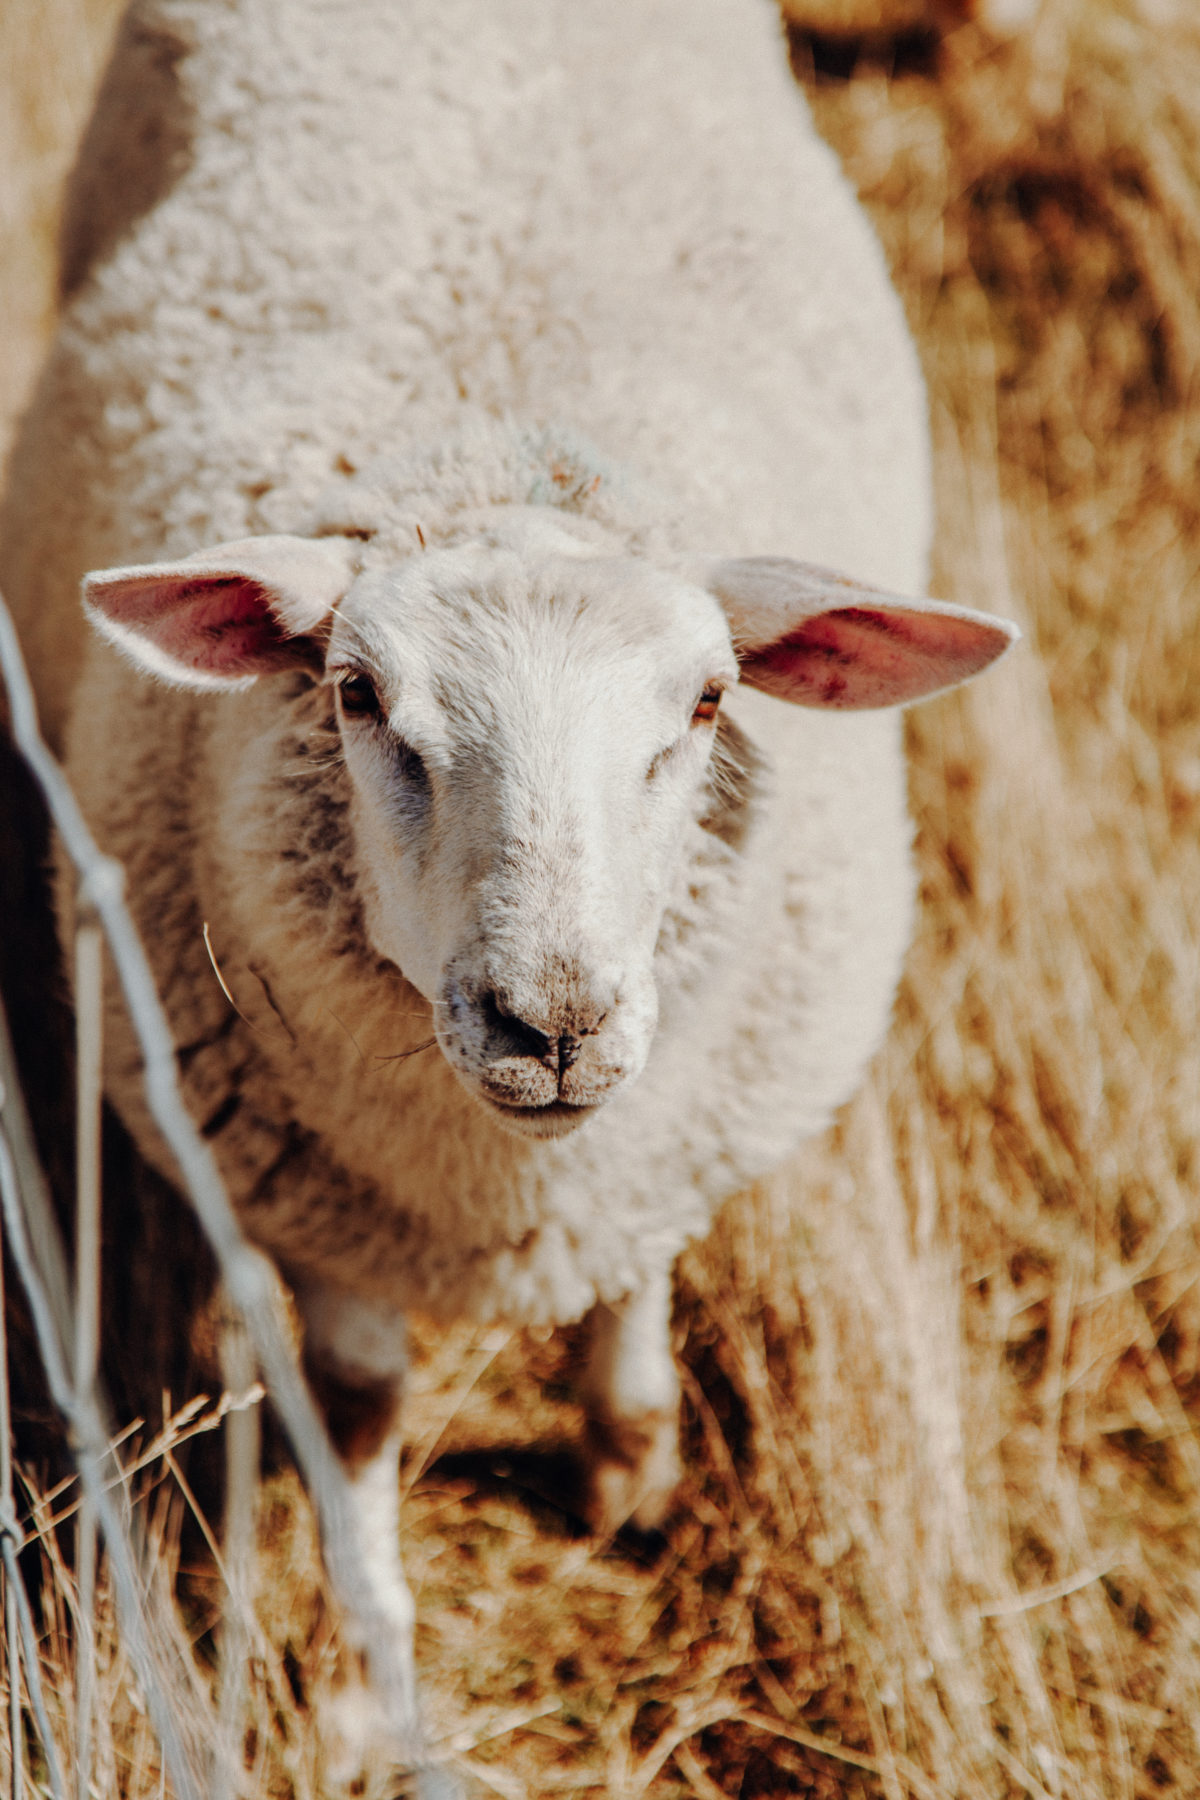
(201, 1757)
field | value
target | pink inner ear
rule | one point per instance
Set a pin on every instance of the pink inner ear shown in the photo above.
(216, 625)
(856, 657)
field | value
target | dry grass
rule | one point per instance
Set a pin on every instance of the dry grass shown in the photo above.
(50, 55)
(941, 1511)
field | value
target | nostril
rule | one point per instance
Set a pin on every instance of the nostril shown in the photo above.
(522, 1039)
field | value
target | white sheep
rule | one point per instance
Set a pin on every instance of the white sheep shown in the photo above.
(449, 743)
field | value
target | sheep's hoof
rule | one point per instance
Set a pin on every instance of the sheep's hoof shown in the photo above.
(633, 1470)
(360, 1754)
(354, 1736)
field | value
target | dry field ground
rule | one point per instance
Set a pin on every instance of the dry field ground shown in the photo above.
(940, 1534)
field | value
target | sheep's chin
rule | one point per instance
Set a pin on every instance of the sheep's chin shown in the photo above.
(558, 1119)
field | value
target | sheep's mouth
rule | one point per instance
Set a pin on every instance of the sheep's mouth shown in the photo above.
(554, 1119)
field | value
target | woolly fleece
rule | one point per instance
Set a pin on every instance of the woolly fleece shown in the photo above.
(380, 272)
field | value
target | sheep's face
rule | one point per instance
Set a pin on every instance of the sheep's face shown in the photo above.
(527, 724)
(528, 738)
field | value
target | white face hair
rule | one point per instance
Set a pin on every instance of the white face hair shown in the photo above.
(527, 723)
(528, 742)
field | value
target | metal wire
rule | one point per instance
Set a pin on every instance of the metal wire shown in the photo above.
(250, 1280)
(18, 1617)
(89, 1026)
(29, 1651)
(7, 1511)
(89, 1443)
(16, 1733)
(237, 1543)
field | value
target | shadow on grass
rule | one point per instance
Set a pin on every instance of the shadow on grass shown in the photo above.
(548, 1481)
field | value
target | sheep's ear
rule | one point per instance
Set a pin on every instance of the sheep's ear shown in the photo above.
(817, 638)
(222, 617)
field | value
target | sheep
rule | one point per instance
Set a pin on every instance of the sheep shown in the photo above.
(426, 395)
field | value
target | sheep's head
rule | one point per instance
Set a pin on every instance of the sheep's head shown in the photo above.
(528, 722)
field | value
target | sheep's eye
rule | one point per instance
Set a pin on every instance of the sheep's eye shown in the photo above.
(708, 705)
(359, 697)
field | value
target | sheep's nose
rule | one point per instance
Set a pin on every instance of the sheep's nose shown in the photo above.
(556, 1051)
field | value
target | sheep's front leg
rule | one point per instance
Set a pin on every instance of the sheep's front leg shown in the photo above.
(631, 1392)
(355, 1360)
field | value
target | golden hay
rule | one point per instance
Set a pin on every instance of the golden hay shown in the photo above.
(940, 1534)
